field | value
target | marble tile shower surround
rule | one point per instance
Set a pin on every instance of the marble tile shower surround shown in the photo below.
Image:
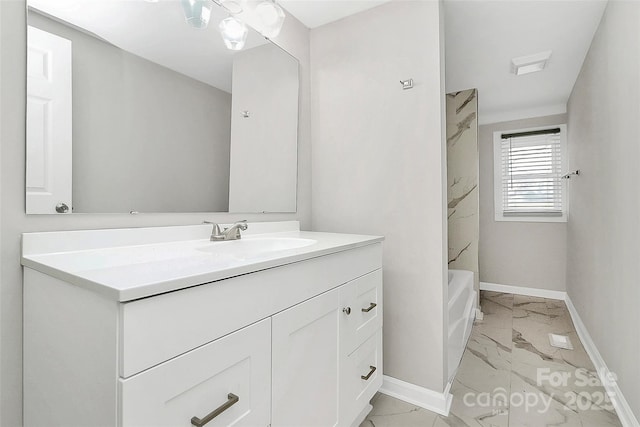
(508, 361)
(462, 180)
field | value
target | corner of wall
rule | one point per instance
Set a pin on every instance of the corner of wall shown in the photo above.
(444, 196)
(295, 37)
(1, 142)
(359, 112)
(603, 237)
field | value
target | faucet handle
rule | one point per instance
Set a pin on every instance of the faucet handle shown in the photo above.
(216, 227)
(242, 224)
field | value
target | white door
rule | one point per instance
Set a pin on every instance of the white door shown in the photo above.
(48, 177)
(305, 381)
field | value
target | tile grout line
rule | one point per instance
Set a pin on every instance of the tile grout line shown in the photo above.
(513, 302)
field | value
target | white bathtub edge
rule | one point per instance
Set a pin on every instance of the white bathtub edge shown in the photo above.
(521, 290)
(440, 403)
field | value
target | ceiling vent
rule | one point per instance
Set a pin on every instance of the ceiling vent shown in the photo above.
(530, 63)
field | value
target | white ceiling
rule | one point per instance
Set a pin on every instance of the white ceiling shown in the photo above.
(483, 36)
(314, 13)
(157, 32)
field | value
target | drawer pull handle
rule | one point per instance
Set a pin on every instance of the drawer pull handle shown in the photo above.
(366, 377)
(233, 399)
(371, 307)
(347, 310)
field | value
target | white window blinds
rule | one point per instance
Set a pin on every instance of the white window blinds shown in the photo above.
(531, 173)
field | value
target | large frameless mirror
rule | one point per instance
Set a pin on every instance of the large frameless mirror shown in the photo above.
(143, 106)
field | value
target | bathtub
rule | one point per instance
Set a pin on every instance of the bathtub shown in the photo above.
(462, 313)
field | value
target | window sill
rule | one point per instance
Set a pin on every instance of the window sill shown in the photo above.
(500, 218)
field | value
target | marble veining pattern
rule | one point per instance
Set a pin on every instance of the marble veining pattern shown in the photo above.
(470, 97)
(463, 126)
(462, 180)
(510, 376)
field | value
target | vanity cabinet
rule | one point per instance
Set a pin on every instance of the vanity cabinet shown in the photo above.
(295, 345)
(327, 355)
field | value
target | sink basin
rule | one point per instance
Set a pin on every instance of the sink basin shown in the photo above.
(255, 247)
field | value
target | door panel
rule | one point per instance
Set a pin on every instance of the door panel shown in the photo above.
(305, 389)
(49, 116)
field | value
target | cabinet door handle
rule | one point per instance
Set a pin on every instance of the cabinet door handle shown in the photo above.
(233, 399)
(347, 310)
(366, 377)
(371, 307)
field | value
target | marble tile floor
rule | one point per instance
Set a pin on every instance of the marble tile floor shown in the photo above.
(510, 376)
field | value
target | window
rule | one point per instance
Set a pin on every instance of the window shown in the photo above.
(528, 169)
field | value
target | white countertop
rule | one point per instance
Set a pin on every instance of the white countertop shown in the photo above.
(128, 264)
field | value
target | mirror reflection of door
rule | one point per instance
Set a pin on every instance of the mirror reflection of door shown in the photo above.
(151, 112)
(49, 132)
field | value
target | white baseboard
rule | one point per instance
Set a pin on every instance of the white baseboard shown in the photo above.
(439, 403)
(627, 418)
(521, 290)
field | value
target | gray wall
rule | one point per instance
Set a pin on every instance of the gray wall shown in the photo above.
(604, 226)
(379, 166)
(13, 221)
(145, 138)
(263, 146)
(462, 181)
(529, 254)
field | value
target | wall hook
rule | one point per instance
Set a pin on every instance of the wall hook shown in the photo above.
(568, 175)
(406, 84)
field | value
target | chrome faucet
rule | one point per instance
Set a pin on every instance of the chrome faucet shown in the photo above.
(231, 233)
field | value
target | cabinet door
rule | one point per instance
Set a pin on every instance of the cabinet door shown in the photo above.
(305, 363)
(362, 300)
(204, 380)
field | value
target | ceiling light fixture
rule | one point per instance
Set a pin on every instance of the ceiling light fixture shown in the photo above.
(271, 17)
(234, 33)
(266, 16)
(197, 12)
(530, 63)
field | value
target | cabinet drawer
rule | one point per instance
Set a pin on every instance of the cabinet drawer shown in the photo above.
(361, 300)
(357, 391)
(156, 329)
(196, 383)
